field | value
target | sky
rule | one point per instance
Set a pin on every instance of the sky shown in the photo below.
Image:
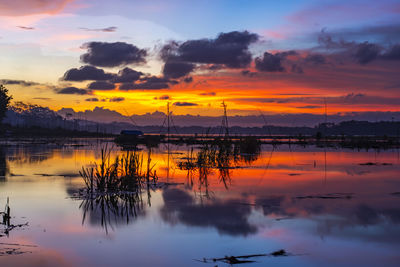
(269, 57)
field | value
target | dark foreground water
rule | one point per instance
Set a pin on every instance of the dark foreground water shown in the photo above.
(324, 207)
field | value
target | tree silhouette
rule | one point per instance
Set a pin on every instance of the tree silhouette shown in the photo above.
(4, 101)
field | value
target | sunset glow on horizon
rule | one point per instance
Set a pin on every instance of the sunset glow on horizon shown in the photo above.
(259, 57)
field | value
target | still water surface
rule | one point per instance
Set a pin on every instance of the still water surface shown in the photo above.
(325, 207)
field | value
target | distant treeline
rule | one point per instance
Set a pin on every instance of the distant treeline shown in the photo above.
(344, 128)
(35, 118)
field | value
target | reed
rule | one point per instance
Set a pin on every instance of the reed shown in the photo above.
(124, 173)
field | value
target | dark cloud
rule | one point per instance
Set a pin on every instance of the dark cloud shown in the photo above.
(349, 99)
(209, 94)
(248, 73)
(72, 91)
(117, 99)
(26, 28)
(285, 54)
(364, 52)
(188, 79)
(273, 62)
(228, 49)
(42, 98)
(367, 52)
(108, 29)
(393, 53)
(127, 75)
(185, 104)
(85, 73)
(176, 69)
(315, 59)
(112, 54)
(227, 217)
(144, 86)
(19, 82)
(215, 67)
(380, 33)
(93, 99)
(327, 41)
(309, 107)
(101, 85)
(150, 83)
(297, 69)
(269, 63)
(164, 97)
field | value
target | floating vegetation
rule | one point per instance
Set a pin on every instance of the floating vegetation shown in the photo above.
(14, 249)
(244, 258)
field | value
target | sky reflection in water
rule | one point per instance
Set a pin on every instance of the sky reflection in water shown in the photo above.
(340, 212)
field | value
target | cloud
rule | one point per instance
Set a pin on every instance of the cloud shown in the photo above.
(316, 59)
(85, 73)
(127, 75)
(378, 33)
(176, 69)
(297, 69)
(228, 49)
(108, 29)
(269, 63)
(273, 62)
(29, 7)
(26, 28)
(144, 85)
(42, 98)
(117, 99)
(164, 97)
(19, 82)
(188, 79)
(112, 54)
(149, 83)
(185, 104)
(393, 53)
(93, 99)
(309, 107)
(367, 52)
(349, 99)
(364, 52)
(208, 94)
(101, 85)
(248, 73)
(73, 91)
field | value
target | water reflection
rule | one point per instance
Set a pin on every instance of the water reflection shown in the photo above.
(3, 165)
(217, 201)
(222, 156)
(111, 210)
(226, 216)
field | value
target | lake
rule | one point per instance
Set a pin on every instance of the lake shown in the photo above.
(322, 206)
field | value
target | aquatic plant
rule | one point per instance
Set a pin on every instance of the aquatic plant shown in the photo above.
(124, 173)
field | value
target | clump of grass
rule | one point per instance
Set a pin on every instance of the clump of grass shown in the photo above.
(247, 149)
(124, 173)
